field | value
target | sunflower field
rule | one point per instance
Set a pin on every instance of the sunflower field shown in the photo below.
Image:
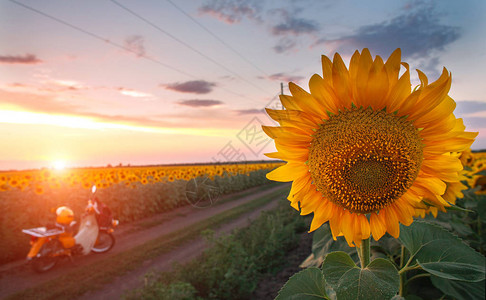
(28, 198)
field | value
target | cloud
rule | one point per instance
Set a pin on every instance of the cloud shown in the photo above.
(294, 26)
(233, 11)
(282, 23)
(28, 59)
(200, 103)
(195, 86)
(290, 28)
(134, 93)
(135, 44)
(250, 111)
(418, 33)
(282, 77)
(284, 45)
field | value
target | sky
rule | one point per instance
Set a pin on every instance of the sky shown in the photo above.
(109, 82)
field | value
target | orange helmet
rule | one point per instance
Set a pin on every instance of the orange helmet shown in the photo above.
(64, 215)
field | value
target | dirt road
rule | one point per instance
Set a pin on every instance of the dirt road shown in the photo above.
(17, 276)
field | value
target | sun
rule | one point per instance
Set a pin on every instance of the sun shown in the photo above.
(59, 165)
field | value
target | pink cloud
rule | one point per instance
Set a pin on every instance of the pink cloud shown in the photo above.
(27, 59)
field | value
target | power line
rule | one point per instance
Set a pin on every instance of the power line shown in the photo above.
(100, 38)
(93, 35)
(185, 44)
(217, 38)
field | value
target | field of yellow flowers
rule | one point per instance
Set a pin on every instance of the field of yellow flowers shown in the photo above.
(28, 198)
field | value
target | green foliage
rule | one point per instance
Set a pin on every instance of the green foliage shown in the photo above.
(379, 280)
(440, 257)
(450, 260)
(308, 284)
(176, 290)
(231, 266)
(460, 290)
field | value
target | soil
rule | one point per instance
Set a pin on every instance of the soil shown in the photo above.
(17, 276)
(270, 284)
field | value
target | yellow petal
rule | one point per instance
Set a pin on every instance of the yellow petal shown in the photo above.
(399, 92)
(361, 82)
(403, 211)
(340, 81)
(377, 87)
(354, 65)
(287, 132)
(392, 66)
(288, 172)
(288, 102)
(323, 93)
(299, 184)
(348, 227)
(432, 184)
(301, 155)
(364, 227)
(327, 69)
(306, 101)
(432, 95)
(424, 81)
(377, 227)
(408, 105)
(335, 221)
(391, 221)
(440, 112)
(311, 202)
(441, 163)
(293, 118)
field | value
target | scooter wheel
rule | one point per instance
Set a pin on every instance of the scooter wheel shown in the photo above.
(46, 259)
(104, 242)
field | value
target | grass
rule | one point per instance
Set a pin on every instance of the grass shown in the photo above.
(233, 264)
(95, 275)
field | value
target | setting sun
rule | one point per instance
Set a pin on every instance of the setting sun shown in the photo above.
(59, 165)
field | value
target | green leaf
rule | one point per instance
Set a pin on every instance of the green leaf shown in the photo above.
(452, 259)
(461, 229)
(335, 266)
(454, 207)
(441, 253)
(379, 280)
(460, 290)
(419, 233)
(308, 284)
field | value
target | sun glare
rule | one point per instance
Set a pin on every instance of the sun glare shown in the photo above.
(59, 165)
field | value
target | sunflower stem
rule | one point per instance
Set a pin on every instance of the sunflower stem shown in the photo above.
(364, 253)
(403, 277)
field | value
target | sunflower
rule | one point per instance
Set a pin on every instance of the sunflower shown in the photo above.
(363, 149)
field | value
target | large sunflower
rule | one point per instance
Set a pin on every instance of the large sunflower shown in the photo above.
(363, 149)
